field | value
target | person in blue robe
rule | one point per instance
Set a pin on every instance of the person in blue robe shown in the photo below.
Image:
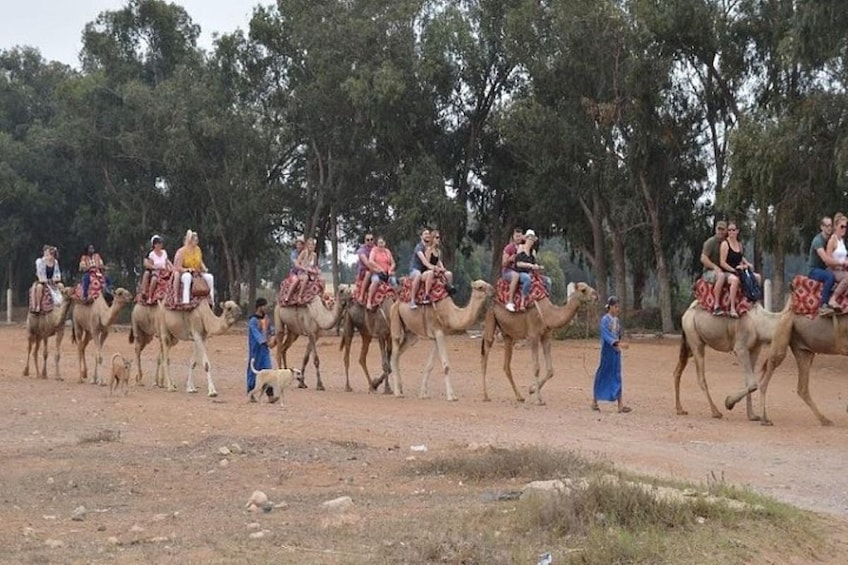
(260, 338)
(608, 376)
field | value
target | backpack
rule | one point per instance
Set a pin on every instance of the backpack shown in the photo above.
(750, 288)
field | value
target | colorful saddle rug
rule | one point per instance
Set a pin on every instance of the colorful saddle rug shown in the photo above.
(163, 285)
(47, 302)
(314, 287)
(706, 300)
(384, 290)
(173, 299)
(96, 284)
(537, 292)
(438, 291)
(806, 297)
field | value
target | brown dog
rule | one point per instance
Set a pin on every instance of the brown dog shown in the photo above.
(120, 374)
(277, 379)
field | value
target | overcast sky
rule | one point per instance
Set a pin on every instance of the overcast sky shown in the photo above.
(55, 26)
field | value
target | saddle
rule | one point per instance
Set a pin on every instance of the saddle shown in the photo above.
(806, 296)
(439, 290)
(46, 299)
(314, 287)
(706, 300)
(537, 292)
(96, 287)
(384, 290)
(163, 284)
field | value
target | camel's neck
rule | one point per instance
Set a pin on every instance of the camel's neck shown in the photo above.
(555, 316)
(110, 314)
(458, 318)
(216, 325)
(58, 315)
(325, 318)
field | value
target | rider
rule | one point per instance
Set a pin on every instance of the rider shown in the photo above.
(154, 264)
(508, 272)
(48, 273)
(189, 260)
(92, 264)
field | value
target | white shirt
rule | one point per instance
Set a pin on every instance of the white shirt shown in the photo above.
(159, 261)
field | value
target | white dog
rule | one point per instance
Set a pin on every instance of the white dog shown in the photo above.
(276, 379)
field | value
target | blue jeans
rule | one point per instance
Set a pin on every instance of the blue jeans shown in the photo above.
(526, 282)
(826, 277)
(392, 280)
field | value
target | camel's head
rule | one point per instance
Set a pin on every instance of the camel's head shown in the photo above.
(123, 296)
(480, 286)
(230, 311)
(67, 292)
(585, 294)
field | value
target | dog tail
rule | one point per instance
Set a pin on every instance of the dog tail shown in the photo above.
(116, 356)
(252, 366)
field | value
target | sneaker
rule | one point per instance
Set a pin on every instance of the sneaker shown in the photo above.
(510, 306)
(733, 314)
(426, 299)
(718, 311)
(412, 305)
(826, 311)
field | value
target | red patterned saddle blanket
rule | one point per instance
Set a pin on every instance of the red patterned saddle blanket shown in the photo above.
(96, 283)
(173, 299)
(314, 287)
(537, 292)
(438, 291)
(706, 300)
(384, 290)
(163, 284)
(806, 296)
(46, 299)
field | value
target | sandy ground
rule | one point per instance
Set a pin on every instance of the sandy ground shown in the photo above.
(45, 424)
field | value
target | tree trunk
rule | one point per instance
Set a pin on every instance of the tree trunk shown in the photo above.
(250, 267)
(619, 266)
(599, 255)
(640, 279)
(656, 244)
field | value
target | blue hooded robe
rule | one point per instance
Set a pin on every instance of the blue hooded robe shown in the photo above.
(257, 347)
(608, 375)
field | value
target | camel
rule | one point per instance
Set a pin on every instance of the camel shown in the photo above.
(371, 324)
(744, 337)
(196, 326)
(145, 327)
(307, 320)
(535, 325)
(431, 322)
(806, 337)
(92, 321)
(40, 327)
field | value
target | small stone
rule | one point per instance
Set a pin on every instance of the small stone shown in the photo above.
(78, 515)
(281, 505)
(224, 450)
(258, 498)
(340, 504)
(159, 517)
(113, 540)
(49, 517)
(257, 535)
(158, 539)
(101, 528)
(236, 448)
(223, 462)
(50, 480)
(136, 528)
(418, 448)
(701, 520)
(254, 526)
(29, 532)
(54, 543)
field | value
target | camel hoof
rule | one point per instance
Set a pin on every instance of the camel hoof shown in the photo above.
(766, 422)
(519, 398)
(717, 415)
(425, 396)
(301, 384)
(486, 399)
(682, 412)
(754, 418)
(452, 399)
(191, 390)
(213, 394)
(728, 403)
(348, 388)
(540, 402)
(826, 422)
(399, 395)
(319, 386)
(387, 390)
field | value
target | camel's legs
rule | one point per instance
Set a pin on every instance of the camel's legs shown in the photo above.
(428, 369)
(487, 340)
(192, 364)
(141, 341)
(804, 360)
(385, 344)
(99, 340)
(315, 360)
(399, 345)
(749, 361)
(443, 354)
(347, 342)
(32, 344)
(698, 355)
(82, 342)
(509, 349)
(534, 356)
(678, 372)
(207, 366)
(60, 334)
(549, 364)
(43, 373)
(363, 356)
(166, 363)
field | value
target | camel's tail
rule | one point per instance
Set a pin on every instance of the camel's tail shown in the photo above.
(132, 335)
(73, 333)
(780, 339)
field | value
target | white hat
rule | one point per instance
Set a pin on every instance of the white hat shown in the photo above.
(300, 238)
(530, 233)
(154, 239)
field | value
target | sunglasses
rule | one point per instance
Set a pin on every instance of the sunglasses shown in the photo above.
(732, 229)
(842, 227)
(369, 239)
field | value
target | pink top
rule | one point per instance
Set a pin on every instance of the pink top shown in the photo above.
(383, 257)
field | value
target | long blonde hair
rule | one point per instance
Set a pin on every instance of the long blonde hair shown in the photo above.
(189, 236)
